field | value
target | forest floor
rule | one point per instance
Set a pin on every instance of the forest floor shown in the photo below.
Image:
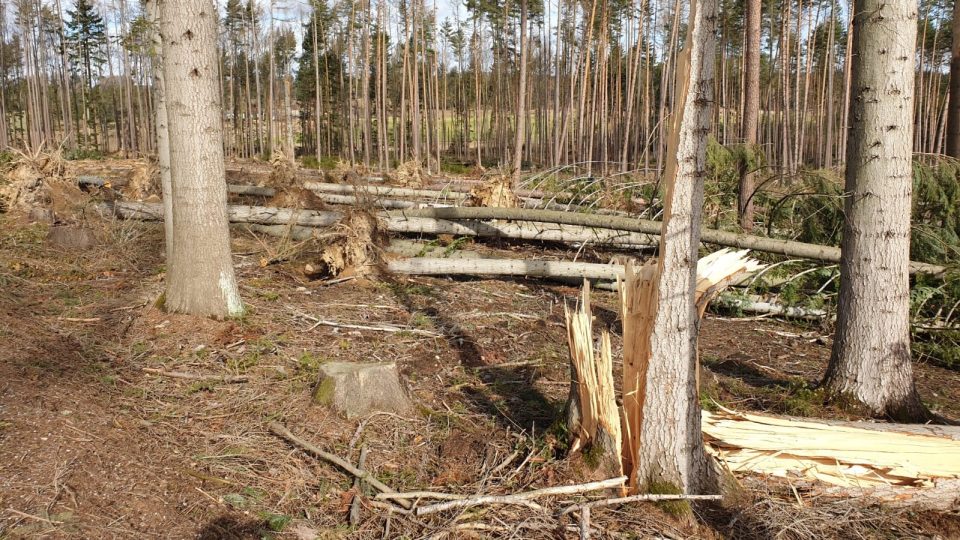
(93, 446)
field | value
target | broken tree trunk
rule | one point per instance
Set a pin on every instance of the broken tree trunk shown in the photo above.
(593, 419)
(897, 464)
(710, 236)
(638, 295)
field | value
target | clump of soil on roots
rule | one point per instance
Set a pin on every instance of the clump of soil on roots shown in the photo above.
(283, 179)
(35, 182)
(495, 193)
(354, 248)
(283, 172)
(411, 173)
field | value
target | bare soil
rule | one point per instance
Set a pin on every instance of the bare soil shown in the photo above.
(92, 446)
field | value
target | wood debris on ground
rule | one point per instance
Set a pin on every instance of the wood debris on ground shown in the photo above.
(839, 455)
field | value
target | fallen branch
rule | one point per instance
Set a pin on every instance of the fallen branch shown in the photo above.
(770, 308)
(280, 431)
(505, 267)
(196, 376)
(392, 329)
(523, 499)
(639, 498)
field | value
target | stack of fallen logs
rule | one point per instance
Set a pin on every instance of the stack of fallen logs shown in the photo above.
(417, 211)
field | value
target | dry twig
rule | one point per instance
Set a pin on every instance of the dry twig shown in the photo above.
(523, 499)
(284, 433)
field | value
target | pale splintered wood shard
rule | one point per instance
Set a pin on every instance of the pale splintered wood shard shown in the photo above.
(900, 465)
(592, 414)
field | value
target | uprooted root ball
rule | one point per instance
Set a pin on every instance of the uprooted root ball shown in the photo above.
(495, 193)
(36, 181)
(283, 172)
(355, 247)
(411, 173)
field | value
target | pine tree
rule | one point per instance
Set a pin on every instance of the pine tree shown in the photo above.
(86, 36)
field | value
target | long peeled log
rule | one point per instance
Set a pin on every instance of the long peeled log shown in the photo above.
(505, 267)
(710, 236)
(545, 232)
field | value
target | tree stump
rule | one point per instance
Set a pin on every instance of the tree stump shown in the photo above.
(356, 389)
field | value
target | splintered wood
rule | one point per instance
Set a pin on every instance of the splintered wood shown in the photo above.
(836, 454)
(591, 408)
(593, 417)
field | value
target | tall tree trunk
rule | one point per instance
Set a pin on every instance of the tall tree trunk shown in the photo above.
(4, 133)
(751, 111)
(200, 276)
(671, 453)
(521, 97)
(870, 363)
(163, 136)
(953, 117)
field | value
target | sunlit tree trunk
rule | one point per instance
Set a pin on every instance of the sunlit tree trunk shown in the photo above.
(751, 111)
(870, 364)
(200, 276)
(521, 97)
(671, 452)
(162, 127)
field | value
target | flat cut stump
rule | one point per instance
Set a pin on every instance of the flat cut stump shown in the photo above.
(358, 389)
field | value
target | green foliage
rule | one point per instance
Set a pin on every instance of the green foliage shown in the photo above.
(275, 522)
(812, 211)
(86, 38)
(309, 162)
(724, 166)
(310, 363)
(936, 210)
(454, 167)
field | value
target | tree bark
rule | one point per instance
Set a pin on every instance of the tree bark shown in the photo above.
(521, 97)
(953, 117)
(751, 112)
(200, 276)
(163, 136)
(870, 364)
(671, 452)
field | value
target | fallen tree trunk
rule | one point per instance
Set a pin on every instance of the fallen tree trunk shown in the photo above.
(316, 218)
(346, 194)
(710, 236)
(505, 267)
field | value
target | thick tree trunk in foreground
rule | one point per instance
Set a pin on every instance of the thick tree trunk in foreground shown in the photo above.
(200, 277)
(671, 452)
(751, 111)
(870, 363)
(953, 116)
